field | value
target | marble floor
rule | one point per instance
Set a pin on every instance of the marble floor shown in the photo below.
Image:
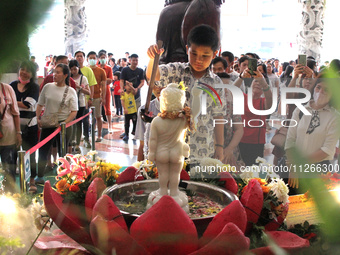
(112, 148)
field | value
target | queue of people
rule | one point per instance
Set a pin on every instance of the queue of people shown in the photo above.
(30, 113)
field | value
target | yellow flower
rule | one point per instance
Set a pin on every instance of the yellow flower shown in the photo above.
(181, 86)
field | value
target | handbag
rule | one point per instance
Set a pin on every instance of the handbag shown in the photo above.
(25, 128)
(279, 139)
(51, 120)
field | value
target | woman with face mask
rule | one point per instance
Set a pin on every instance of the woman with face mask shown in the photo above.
(27, 93)
(315, 135)
(302, 78)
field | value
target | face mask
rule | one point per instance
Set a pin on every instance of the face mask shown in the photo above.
(92, 62)
(102, 61)
(23, 82)
(321, 99)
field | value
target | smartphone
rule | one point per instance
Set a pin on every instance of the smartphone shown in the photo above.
(302, 59)
(252, 65)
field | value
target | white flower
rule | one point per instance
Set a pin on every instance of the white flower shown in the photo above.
(250, 173)
(272, 175)
(91, 164)
(210, 162)
(280, 190)
(91, 153)
(40, 215)
(101, 159)
(137, 164)
(260, 160)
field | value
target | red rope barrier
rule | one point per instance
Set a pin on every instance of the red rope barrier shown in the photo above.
(77, 120)
(43, 142)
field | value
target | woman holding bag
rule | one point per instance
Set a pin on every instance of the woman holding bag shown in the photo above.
(27, 93)
(61, 105)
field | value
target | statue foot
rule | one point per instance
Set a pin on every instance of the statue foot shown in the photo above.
(153, 198)
(181, 198)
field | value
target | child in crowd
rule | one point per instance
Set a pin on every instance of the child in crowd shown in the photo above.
(130, 109)
(117, 92)
(202, 46)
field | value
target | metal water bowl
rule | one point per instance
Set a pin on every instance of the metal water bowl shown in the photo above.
(138, 192)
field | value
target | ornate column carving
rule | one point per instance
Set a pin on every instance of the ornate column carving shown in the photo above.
(75, 25)
(310, 37)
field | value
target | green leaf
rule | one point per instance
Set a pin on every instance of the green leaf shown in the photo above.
(21, 18)
(306, 225)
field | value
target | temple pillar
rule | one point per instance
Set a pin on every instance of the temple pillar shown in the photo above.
(75, 25)
(310, 37)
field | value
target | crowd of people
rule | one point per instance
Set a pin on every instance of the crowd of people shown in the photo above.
(70, 87)
(31, 112)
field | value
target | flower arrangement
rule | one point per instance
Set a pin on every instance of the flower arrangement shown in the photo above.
(76, 172)
(147, 169)
(275, 203)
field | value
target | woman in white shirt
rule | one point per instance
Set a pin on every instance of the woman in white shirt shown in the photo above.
(51, 98)
(82, 86)
(315, 135)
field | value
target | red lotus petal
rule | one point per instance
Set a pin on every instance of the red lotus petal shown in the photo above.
(287, 240)
(263, 251)
(252, 200)
(128, 175)
(106, 209)
(94, 191)
(184, 175)
(165, 229)
(230, 183)
(230, 241)
(108, 236)
(67, 217)
(233, 213)
(60, 244)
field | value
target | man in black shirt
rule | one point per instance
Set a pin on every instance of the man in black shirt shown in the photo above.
(134, 75)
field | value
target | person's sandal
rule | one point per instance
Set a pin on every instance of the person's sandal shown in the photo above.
(77, 150)
(32, 188)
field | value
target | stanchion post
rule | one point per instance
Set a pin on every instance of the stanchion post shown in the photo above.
(93, 133)
(23, 184)
(63, 139)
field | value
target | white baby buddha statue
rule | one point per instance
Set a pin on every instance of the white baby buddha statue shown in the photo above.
(167, 147)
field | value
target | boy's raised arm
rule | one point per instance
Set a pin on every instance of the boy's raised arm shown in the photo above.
(152, 51)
